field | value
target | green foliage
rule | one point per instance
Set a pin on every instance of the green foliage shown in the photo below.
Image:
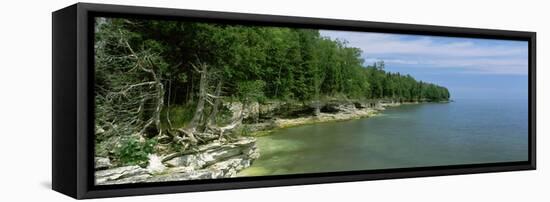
(248, 91)
(386, 85)
(134, 152)
(292, 64)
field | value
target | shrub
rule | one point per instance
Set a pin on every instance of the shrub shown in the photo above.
(135, 152)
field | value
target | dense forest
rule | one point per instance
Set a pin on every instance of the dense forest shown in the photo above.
(167, 79)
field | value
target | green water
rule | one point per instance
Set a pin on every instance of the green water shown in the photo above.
(461, 132)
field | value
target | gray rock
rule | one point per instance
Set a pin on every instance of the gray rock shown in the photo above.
(211, 157)
(231, 166)
(189, 160)
(181, 169)
(252, 152)
(102, 163)
(247, 141)
(155, 164)
(102, 176)
(127, 180)
(212, 153)
(251, 111)
(171, 177)
(211, 161)
(191, 175)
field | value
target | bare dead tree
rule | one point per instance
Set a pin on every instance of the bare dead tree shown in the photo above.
(131, 95)
(217, 103)
(202, 69)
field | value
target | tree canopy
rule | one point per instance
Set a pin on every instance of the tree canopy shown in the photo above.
(291, 64)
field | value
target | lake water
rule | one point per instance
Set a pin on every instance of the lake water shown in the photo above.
(466, 131)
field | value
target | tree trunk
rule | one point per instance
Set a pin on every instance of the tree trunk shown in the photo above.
(198, 116)
(217, 103)
(232, 125)
(317, 108)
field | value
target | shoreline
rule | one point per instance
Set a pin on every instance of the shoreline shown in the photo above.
(326, 117)
(224, 160)
(348, 113)
(344, 115)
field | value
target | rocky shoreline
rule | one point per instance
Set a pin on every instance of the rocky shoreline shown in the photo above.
(226, 159)
(345, 114)
(211, 161)
(330, 112)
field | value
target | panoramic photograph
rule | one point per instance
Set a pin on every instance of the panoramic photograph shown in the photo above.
(187, 100)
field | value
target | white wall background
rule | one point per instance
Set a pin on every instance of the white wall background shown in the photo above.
(25, 102)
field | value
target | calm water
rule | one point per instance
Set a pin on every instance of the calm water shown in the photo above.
(461, 132)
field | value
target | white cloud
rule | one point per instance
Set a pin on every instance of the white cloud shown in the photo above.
(470, 55)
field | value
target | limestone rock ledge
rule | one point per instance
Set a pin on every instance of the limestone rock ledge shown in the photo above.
(211, 161)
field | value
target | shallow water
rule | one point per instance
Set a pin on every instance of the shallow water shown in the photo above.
(432, 134)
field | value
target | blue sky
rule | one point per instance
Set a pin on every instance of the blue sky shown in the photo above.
(470, 68)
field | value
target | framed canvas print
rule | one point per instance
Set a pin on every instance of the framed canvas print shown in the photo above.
(154, 100)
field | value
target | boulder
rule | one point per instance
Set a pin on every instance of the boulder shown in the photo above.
(102, 163)
(155, 164)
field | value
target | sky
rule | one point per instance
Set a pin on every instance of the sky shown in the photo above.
(468, 67)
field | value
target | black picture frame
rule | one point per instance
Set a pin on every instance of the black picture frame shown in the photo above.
(72, 103)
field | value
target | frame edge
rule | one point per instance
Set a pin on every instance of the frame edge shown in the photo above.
(84, 191)
(64, 144)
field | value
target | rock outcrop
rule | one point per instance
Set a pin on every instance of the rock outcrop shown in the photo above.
(121, 174)
(345, 113)
(257, 113)
(275, 114)
(102, 163)
(214, 160)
